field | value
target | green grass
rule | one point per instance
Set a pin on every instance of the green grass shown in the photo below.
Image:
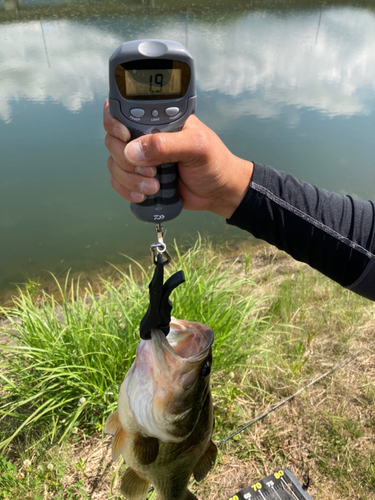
(71, 352)
(37, 482)
(277, 326)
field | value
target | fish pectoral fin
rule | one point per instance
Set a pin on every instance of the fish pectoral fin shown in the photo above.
(118, 443)
(205, 463)
(134, 487)
(146, 449)
(112, 423)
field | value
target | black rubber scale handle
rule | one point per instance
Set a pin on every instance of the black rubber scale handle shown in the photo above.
(166, 204)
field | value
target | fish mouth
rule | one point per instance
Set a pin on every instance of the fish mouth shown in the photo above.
(187, 343)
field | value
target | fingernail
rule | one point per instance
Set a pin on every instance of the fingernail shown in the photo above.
(149, 187)
(137, 197)
(121, 132)
(134, 152)
(145, 171)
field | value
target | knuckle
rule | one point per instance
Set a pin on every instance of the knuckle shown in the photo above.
(111, 143)
(107, 141)
(202, 144)
(107, 120)
(113, 126)
(110, 163)
(157, 146)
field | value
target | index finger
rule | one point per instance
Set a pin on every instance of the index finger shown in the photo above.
(114, 127)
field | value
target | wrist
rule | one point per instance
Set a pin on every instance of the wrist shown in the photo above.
(236, 188)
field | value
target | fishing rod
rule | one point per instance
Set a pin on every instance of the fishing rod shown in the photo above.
(151, 90)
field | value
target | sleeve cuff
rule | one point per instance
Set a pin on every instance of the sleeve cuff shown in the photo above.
(365, 284)
(261, 175)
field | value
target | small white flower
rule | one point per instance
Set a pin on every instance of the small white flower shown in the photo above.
(27, 463)
(75, 430)
(50, 466)
(82, 400)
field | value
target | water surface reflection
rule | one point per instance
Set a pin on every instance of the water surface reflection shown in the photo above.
(320, 59)
(292, 85)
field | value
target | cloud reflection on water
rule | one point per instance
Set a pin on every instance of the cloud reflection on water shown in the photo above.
(317, 59)
(63, 61)
(323, 62)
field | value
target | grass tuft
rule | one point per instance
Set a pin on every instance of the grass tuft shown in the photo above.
(68, 354)
(277, 324)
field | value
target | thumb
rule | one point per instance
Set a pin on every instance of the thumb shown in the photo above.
(155, 149)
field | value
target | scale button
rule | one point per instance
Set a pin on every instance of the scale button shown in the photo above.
(137, 112)
(172, 111)
(155, 113)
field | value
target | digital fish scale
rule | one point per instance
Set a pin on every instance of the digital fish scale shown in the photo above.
(282, 485)
(152, 89)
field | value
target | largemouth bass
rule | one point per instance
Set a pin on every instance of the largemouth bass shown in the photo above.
(164, 420)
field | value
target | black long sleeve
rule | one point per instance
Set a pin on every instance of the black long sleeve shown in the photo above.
(332, 233)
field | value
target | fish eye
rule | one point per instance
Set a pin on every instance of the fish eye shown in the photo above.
(206, 369)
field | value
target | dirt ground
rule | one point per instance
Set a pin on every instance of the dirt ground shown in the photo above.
(285, 438)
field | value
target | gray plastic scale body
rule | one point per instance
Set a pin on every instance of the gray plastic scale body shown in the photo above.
(152, 89)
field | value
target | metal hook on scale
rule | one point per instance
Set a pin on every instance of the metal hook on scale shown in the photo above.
(160, 247)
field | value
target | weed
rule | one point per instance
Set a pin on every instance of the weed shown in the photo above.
(37, 482)
(68, 357)
(277, 326)
(32, 287)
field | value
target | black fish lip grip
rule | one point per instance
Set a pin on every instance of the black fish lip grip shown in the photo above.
(158, 315)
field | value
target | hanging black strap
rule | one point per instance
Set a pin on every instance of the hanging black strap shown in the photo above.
(158, 314)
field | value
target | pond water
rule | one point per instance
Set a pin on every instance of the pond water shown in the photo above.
(286, 83)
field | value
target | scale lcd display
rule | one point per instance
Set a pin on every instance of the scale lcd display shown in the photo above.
(153, 79)
(150, 82)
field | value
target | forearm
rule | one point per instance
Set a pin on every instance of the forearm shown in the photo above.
(332, 233)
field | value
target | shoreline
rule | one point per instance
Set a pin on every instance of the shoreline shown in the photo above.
(44, 280)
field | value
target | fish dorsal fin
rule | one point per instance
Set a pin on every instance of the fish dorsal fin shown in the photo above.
(112, 423)
(118, 443)
(146, 449)
(134, 487)
(205, 463)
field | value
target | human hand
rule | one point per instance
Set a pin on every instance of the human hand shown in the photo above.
(210, 176)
